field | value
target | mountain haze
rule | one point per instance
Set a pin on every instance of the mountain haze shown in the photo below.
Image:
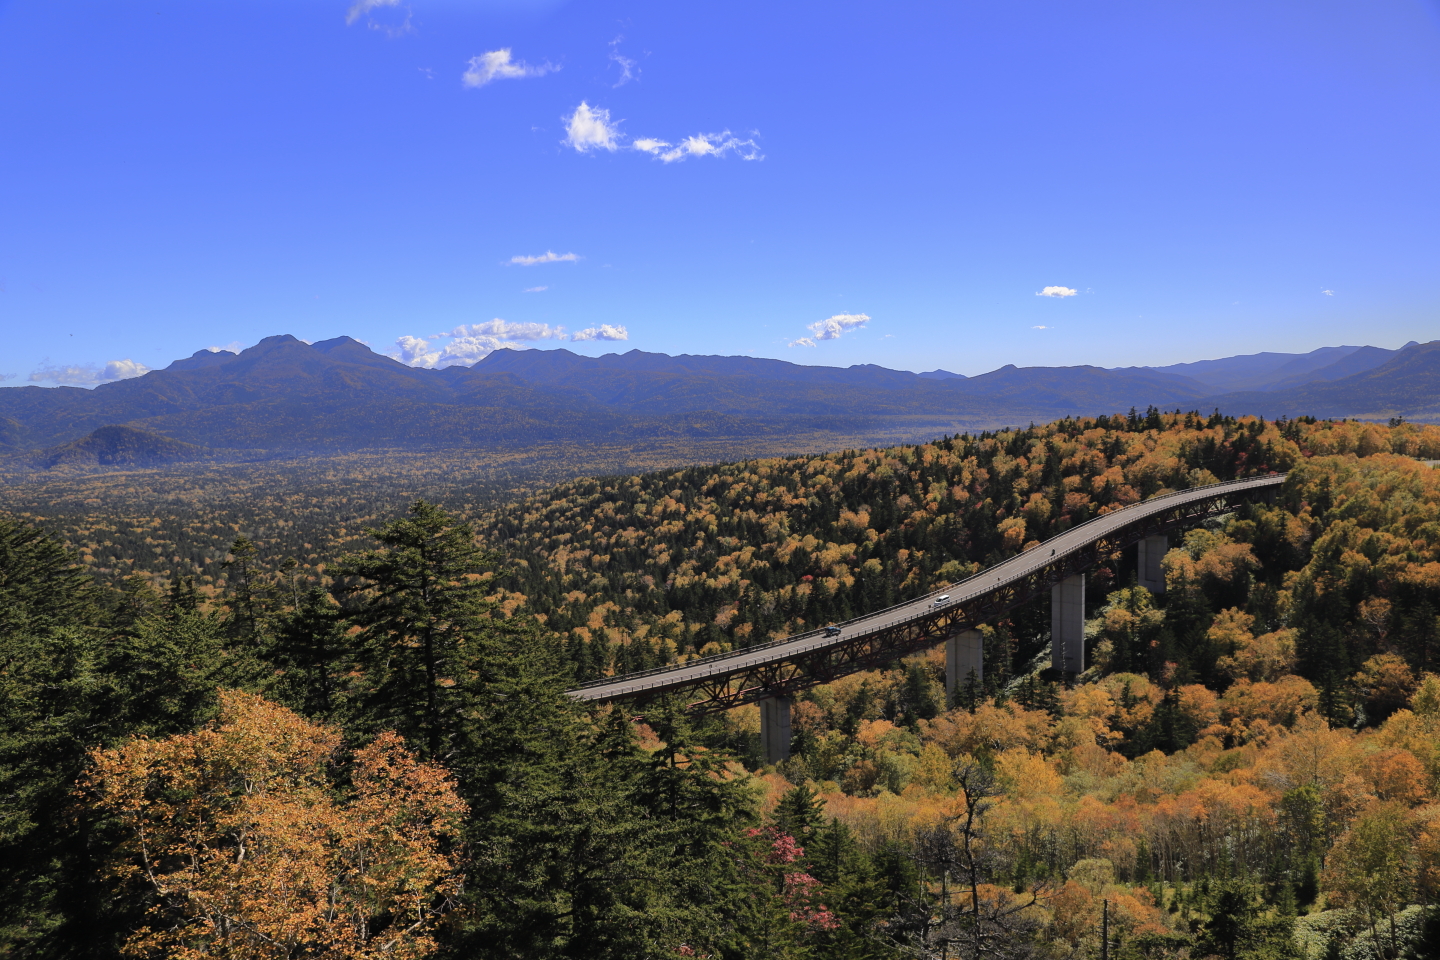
(285, 396)
(1405, 385)
(1276, 371)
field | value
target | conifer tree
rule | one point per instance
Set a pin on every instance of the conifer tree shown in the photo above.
(1237, 927)
(310, 648)
(421, 614)
(571, 862)
(853, 890)
(245, 615)
(68, 684)
(800, 813)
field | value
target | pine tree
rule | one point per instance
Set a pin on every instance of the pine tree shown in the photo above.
(40, 580)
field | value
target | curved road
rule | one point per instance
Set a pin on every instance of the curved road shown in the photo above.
(1019, 568)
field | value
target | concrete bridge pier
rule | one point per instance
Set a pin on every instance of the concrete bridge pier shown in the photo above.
(1067, 624)
(1149, 573)
(964, 654)
(775, 728)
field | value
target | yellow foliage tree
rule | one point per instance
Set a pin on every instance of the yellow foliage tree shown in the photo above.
(250, 848)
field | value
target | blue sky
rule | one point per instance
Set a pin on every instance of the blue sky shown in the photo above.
(1208, 178)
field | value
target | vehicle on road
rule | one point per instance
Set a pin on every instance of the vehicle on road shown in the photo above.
(942, 599)
(832, 631)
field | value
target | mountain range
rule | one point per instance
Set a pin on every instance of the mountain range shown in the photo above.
(285, 396)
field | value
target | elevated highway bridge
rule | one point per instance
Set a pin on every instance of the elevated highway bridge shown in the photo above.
(772, 673)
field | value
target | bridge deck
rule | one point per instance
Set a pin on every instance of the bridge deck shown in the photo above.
(1022, 568)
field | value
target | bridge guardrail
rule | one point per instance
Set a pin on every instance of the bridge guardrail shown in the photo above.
(743, 658)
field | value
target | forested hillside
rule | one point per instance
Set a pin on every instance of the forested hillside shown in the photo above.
(643, 569)
(180, 519)
(1249, 768)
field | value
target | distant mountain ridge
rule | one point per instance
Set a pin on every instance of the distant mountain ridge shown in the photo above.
(1276, 371)
(336, 395)
(1406, 385)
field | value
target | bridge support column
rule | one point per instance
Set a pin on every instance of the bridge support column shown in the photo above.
(964, 654)
(1067, 624)
(1149, 573)
(775, 728)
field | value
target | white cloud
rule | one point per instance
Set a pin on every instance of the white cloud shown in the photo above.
(415, 352)
(124, 370)
(365, 10)
(1040, 327)
(88, 374)
(536, 289)
(549, 256)
(802, 342)
(6, 376)
(234, 346)
(470, 350)
(700, 145)
(505, 330)
(461, 351)
(628, 68)
(497, 65)
(468, 344)
(832, 327)
(1328, 293)
(1057, 292)
(72, 374)
(362, 8)
(590, 129)
(603, 332)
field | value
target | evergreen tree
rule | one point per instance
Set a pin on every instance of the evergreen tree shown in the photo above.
(244, 585)
(41, 582)
(54, 698)
(1237, 926)
(800, 813)
(421, 615)
(136, 599)
(581, 845)
(310, 650)
(68, 685)
(571, 866)
(588, 847)
(853, 890)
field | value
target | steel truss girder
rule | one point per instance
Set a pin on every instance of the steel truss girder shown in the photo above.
(750, 684)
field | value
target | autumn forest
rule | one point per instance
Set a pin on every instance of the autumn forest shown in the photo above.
(323, 714)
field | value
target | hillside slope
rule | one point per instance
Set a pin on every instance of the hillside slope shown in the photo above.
(1407, 385)
(122, 447)
(741, 553)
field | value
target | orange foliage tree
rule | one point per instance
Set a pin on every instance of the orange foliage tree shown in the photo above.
(248, 846)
